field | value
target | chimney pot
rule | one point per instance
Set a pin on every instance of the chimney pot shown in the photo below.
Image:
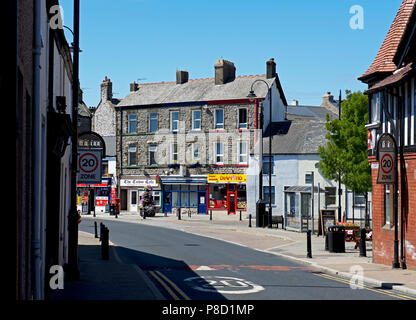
(224, 71)
(181, 76)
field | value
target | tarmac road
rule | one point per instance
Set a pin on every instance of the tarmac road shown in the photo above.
(185, 266)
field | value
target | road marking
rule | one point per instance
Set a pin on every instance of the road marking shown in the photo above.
(220, 284)
(173, 285)
(391, 294)
(164, 285)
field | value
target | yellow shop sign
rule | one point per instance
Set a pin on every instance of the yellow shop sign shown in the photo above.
(233, 178)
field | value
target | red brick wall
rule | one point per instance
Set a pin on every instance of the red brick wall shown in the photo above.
(383, 236)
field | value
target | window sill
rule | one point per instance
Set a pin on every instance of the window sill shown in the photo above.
(218, 165)
(243, 129)
(373, 125)
(242, 165)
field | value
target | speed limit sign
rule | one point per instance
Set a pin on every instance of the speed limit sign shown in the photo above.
(387, 155)
(89, 166)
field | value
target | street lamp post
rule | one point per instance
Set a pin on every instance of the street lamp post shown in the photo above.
(252, 95)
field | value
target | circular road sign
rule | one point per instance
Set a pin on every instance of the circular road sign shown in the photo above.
(88, 162)
(387, 163)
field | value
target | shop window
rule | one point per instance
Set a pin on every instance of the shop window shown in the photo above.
(132, 123)
(174, 120)
(330, 196)
(152, 154)
(219, 119)
(196, 119)
(153, 122)
(218, 196)
(132, 155)
(156, 197)
(241, 197)
(267, 194)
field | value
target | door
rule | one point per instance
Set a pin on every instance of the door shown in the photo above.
(231, 198)
(167, 201)
(133, 200)
(202, 202)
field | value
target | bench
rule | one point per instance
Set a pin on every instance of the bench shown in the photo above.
(276, 220)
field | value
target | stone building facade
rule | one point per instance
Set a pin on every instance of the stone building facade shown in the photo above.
(190, 140)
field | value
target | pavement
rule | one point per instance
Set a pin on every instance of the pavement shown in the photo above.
(133, 284)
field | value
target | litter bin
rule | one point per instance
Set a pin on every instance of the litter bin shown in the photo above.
(260, 213)
(336, 239)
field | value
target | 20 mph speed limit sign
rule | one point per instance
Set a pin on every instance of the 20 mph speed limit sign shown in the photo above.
(387, 156)
(89, 166)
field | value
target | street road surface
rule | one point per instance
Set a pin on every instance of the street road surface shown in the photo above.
(184, 266)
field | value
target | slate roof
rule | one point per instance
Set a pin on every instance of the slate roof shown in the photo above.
(309, 112)
(196, 90)
(384, 59)
(295, 137)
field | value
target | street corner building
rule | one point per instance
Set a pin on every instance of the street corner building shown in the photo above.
(190, 139)
(392, 95)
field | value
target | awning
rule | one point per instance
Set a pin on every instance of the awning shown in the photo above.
(304, 189)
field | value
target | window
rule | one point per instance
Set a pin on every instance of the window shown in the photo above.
(132, 123)
(156, 197)
(152, 154)
(218, 153)
(195, 151)
(388, 204)
(242, 152)
(359, 199)
(196, 119)
(375, 108)
(267, 194)
(132, 155)
(174, 152)
(219, 119)
(266, 161)
(153, 122)
(330, 195)
(174, 120)
(242, 118)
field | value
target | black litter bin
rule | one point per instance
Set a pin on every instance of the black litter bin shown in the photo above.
(336, 239)
(260, 213)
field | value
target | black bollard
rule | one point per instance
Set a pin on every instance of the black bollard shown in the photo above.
(249, 220)
(363, 250)
(309, 244)
(101, 230)
(179, 213)
(240, 215)
(105, 249)
(210, 214)
(95, 229)
(326, 240)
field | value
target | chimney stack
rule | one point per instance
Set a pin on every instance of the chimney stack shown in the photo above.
(295, 103)
(224, 71)
(106, 89)
(328, 99)
(181, 76)
(270, 68)
(134, 87)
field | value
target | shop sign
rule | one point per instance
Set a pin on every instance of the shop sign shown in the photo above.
(138, 183)
(224, 178)
(387, 155)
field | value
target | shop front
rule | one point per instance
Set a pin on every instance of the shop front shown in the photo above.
(95, 197)
(132, 190)
(227, 192)
(186, 193)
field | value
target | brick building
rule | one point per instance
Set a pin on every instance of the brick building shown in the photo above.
(392, 95)
(191, 139)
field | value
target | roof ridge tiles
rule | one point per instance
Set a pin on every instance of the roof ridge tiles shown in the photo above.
(201, 79)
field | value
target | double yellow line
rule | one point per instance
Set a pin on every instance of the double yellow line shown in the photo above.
(169, 286)
(382, 291)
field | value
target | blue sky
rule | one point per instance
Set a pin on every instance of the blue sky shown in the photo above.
(312, 42)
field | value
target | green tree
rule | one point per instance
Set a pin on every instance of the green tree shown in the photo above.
(344, 158)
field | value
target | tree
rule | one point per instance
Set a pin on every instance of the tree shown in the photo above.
(344, 158)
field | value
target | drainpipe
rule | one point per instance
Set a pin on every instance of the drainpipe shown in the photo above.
(37, 160)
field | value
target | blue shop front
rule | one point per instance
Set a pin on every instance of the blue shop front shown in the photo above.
(185, 193)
